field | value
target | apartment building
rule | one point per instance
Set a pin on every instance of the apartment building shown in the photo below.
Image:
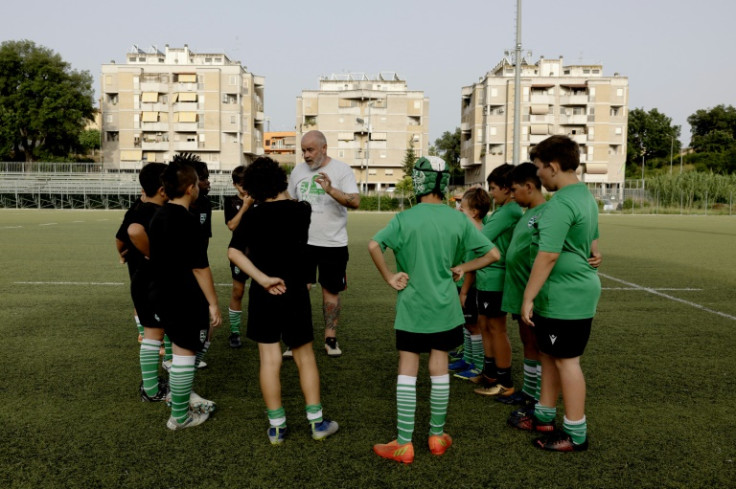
(556, 98)
(279, 142)
(369, 121)
(158, 104)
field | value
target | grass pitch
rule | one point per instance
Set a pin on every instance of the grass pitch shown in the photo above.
(659, 368)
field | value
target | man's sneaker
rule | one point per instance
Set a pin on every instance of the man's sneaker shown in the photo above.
(276, 435)
(559, 441)
(494, 390)
(529, 422)
(288, 354)
(193, 419)
(159, 396)
(323, 429)
(235, 340)
(459, 365)
(469, 374)
(197, 403)
(332, 348)
(438, 444)
(393, 451)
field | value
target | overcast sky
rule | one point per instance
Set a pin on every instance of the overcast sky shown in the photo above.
(677, 54)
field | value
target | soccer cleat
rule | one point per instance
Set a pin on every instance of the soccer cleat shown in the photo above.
(459, 365)
(323, 429)
(332, 348)
(527, 409)
(494, 390)
(456, 355)
(235, 340)
(197, 403)
(514, 399)
(193, 419)
(469, 374)
(438, 444)
(529, 422)
(159, 396)
(276, 435)
(559, 441)
(288, 354)
(393, 451)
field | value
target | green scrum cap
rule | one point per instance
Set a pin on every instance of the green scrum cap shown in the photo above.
(430, 175)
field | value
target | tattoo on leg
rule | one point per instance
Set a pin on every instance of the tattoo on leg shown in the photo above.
(331, 311)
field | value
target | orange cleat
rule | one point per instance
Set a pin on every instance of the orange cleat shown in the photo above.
(393, 451)
(438, 444)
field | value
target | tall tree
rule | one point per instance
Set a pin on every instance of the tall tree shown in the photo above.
(447, 146)
(713, 130)
(650, 134)
(45, 104)
(410, 157)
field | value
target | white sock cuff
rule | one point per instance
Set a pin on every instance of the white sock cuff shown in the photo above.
(476, 337)
(440, 379)
(150, 344)
(313, 416)
(233, 310)
(183, 360)
(573, 423)
(406, 380)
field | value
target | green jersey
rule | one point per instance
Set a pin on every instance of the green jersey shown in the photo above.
(519, 260)
(428, 240)
(568, 226)
(498, 229)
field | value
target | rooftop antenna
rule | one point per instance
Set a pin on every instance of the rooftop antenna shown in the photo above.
(517, 88)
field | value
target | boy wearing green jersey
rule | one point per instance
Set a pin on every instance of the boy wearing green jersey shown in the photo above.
(562, 293)
(429, 241)
(496, 378)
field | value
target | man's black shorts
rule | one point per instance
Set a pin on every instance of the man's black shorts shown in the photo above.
(561, 338)
(425, 342)
(332, 264)
(237, 274)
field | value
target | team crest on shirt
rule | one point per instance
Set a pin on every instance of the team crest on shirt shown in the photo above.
(553, 338)
(533, 221)
(202, 217)
(202, 335)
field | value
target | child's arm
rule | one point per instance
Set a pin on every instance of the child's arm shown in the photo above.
(595, 256)
(204, 279)
(139, 238)
(233, 223)
(475, 264)
(469, 281)
(543, 265)
(398, 281)
(122, 251)
(273, 285)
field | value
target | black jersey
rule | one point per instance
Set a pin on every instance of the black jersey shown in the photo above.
(175, 251)
(201, 209)
(139, 213)
(233, 204)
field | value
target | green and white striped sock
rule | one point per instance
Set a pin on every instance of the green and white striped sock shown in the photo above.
(439, 398)
(138, 325)
(149, 365)
(235, 317)
(314, 413)
(406, 405)
(578, 430)
(477, 349)
(467, 347)
(181, 378)
(277, 417)
(539, 381)
(545, 414)
(530, 377)
(167, 348)
(201, 353)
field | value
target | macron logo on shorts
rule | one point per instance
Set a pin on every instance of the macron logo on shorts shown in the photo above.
(552, 338)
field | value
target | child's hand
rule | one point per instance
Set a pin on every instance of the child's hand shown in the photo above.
(457, 273)
(122, 256)
(274, 285)
(215, 316)
(463, 297)
(399, 281)
(595, 259)
(527, 311)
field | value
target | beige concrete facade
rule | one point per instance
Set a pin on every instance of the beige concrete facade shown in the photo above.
(158, 104)
(369, 123)
(575, 100)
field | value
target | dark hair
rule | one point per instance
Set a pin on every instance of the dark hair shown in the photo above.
(237, 175)
(525, 172)
(479, 200)
(199, 166)
(177, 177)
(500, 175)
(150, 178)
(264, 179)
(561, 149)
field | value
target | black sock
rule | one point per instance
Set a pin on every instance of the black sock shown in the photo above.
(504, 376)
(489, 367)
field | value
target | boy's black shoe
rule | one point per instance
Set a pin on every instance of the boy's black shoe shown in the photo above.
(529, 422)
(235, 340)
(163, 388)
(559, 441)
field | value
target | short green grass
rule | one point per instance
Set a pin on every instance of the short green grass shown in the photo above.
(660, 375)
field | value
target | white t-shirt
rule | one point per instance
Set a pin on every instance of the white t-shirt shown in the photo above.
(329, 218)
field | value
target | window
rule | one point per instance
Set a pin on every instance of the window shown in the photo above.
(619, 92)
(233, 119)
(233, 79)
(618, 131)
(112, 98)
(494, 92)
(417, 104)
(388, 173)
(108, 118)
(108, 80)
(111, 136)
(207, 60)
(229, 98)
(615, 111)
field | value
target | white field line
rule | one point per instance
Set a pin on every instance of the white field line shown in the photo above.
(667, 296)
(11, 227)
(49, 224)
(686, 289)
(115, 284)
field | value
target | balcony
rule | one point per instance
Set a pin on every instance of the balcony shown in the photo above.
(465, 127)
(155, 146)
(542, 99)
(574, 99)
(155, 126)
(188, 145)
(259, 116)
(154, 87)
(579, 138)
(157, 107)
(184, 127)
(578, 120)
(185, 107)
